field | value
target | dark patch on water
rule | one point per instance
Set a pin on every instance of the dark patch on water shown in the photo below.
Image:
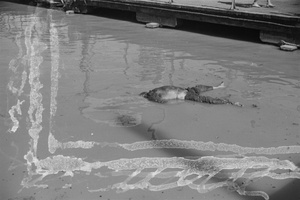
(126, 120)
(219, 30)
(290, 191)
(114, 14)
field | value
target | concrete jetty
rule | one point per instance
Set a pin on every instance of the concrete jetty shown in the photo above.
(274, 24)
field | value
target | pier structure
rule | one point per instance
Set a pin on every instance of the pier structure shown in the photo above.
(273, 24)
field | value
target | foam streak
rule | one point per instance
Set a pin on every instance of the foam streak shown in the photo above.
(207, 146)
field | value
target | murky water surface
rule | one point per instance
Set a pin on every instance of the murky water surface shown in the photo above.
(69, 91)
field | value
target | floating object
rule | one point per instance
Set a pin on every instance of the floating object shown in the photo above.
(152, 25)
(287, 47)
(70, 12)
(165, 93)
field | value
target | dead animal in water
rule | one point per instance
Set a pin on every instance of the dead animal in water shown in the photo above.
(165, 93)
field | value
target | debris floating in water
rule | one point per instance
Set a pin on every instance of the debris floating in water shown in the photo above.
(286, 46)
(153, 25)
(70, 12)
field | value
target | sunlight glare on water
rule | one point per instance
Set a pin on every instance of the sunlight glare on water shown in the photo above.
(69, 91)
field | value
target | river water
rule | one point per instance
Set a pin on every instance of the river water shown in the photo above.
(69, 101)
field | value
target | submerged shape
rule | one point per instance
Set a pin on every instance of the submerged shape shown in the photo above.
(127, 120)
(107, 111)
(113, 117)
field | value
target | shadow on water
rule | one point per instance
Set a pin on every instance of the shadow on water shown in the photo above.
(183, 153)
(290, 191)
(114, 14)
(217, 30)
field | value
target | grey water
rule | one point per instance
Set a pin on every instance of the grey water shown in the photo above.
(92, 69)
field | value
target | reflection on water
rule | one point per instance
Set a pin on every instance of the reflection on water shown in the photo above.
(73, 125)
